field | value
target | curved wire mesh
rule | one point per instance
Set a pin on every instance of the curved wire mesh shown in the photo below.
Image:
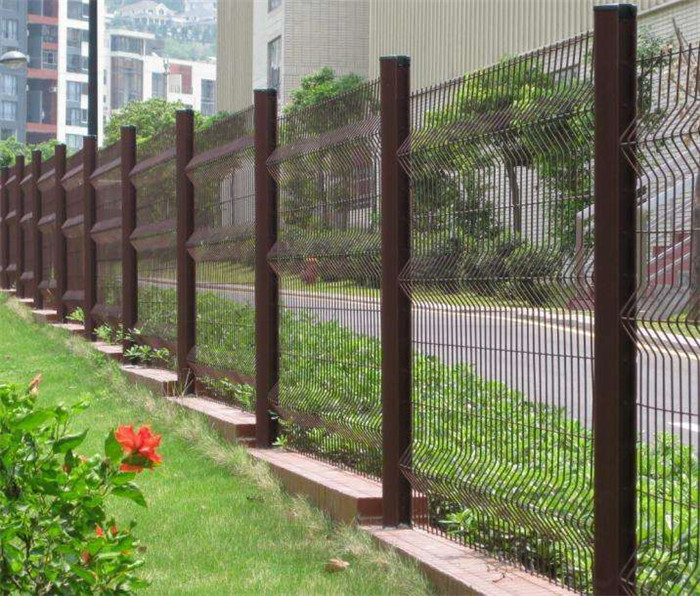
(664, 318)
(500, 165)
(223, 246)
(73, 231)
(154, 237)
(106, 232)
(47, 230)
(4, 237)
(327, 257)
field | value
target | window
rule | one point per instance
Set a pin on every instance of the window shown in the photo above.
(272, 4)
(9, 28)
(175, 83)
(208, 98)
(74, 90)
(76, 37)
(9, 110)
(274, 55)
(9, 4)
(48, 60)
(74, 142)
(77, 63)
(7, 133)
(8, 85)
(78, 10)
(76, 117)
(158, 85)
(121, 43)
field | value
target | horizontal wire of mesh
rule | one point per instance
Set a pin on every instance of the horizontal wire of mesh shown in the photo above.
(664, 317)
(327, 257)
(500, 279)
(47, 201)
(108, 211)
(154, 238)
(73, 186)
(223, 246)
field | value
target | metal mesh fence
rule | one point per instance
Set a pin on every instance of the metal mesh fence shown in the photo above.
(223, 246)
(106, 180)
(500, 165)
(664, 319)
(154, 237)
(327, 258)
(73, 230)
(47, 229)
(13, 227)
(26, 224)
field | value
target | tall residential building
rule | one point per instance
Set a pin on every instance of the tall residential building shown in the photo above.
(138, 71)
(13, 99)
(57, 77)
(266, 43)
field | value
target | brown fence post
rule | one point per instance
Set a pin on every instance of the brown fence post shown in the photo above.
(89, 247)
(4, 229)
(186, 287)
(60, 240)
(129, 262)
(395, 304)
(19, 214)
(37, 265)
(266, 287)
(614, 390)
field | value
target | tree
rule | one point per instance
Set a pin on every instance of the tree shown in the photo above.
(149, 117)
(11, 148)
(321, 86)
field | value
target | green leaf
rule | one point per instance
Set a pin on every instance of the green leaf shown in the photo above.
(69, 442)
(34, 420)
(130, 491)
(113, 450)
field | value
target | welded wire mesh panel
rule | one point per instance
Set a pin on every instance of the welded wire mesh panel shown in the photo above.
(107, 231)
(500, 280)
(328, 261)
(665, 314)
(73, 229)
(12, 227)
(26, 224)
(47, 230)
(223, 246)
(154, 238)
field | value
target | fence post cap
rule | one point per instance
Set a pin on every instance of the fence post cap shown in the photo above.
(625, 10)
(266, 90)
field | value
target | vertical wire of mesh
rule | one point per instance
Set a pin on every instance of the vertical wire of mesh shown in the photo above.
(327, 257)
(500, 279)
(666, 141)
(73, 231)
(47, 227)
(223, 246)
(106, 232)
(154, 177)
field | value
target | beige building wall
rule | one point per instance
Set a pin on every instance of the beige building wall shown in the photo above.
(447, 38)
(234, 66)
(444, 38)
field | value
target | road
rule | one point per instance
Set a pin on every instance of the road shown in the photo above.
(546, 356)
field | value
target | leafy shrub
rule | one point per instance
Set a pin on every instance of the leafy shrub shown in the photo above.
(142, 353)
(77, 316)
(56, 536)
(109, 334)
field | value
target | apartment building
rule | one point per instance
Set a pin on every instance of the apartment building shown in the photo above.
(138, 71)
(57, 77)
(13, 103)
(273, 43)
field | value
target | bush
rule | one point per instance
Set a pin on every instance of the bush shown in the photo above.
(55, 535)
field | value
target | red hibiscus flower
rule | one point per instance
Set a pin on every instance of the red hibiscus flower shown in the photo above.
(139, 448)
(99, 531)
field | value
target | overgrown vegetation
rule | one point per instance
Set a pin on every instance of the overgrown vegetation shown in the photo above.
(57, 536)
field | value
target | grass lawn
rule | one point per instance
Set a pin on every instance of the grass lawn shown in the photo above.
(217, 523)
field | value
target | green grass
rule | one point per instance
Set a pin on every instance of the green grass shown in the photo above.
(217, 523)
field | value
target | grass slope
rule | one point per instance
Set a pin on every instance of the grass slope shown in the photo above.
(217, 523)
